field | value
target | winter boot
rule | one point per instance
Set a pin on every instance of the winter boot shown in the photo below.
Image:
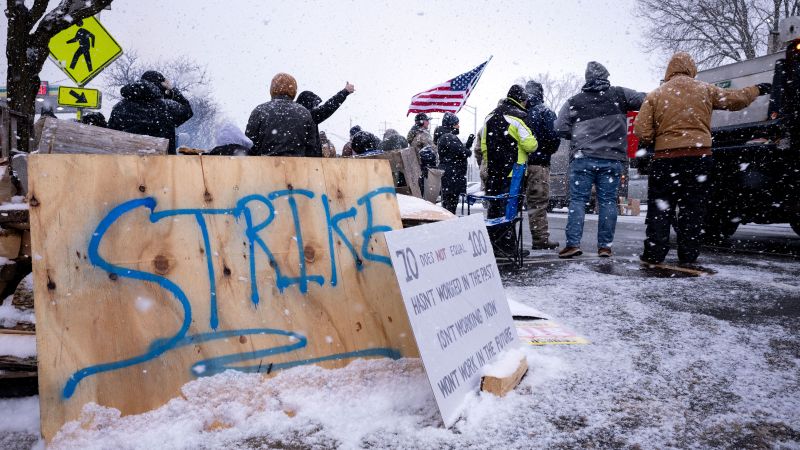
(546, 244)
(569, 252)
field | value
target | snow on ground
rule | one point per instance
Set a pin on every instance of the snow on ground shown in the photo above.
(674, 363)
(19, 423)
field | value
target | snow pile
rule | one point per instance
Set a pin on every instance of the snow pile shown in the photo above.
(11, 316)
(18, 345)
(25, 417)
(19, 423)
(17, 203)
(305, 406)
(375, 403)
(419, 209)
(505, 365)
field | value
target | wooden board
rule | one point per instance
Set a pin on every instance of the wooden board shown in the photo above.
(402, 161)
(10, 243)
(536, 331)
(694, 271)
(433, 185)
(134, 299)
(63, 136)
(502, 386)
(417, 209)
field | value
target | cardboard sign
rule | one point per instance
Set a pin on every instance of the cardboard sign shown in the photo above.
(547, 332)
(455, 302)
(83, 50)
(152, 271)
(633, 141)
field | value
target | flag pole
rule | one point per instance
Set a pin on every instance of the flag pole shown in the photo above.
(476, 82)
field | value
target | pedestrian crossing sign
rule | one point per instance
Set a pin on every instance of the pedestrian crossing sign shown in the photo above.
(83, 50)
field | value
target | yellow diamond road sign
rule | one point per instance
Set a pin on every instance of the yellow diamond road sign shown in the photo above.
(84, 50)
(79, 97)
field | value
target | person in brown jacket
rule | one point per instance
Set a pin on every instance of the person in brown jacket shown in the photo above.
(676, 119)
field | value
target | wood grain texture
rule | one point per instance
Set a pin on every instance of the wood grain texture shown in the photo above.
(90, 314)
(10, 243)
(502, 386)
(402, 161)
(63, 136)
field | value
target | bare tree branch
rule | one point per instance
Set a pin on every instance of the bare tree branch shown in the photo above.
(714, 31)
(557, 90)
(188, 76)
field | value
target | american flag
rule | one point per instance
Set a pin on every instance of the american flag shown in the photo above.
(449, 96)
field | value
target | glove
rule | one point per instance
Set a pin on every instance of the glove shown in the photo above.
(470, 140)
(764, 88)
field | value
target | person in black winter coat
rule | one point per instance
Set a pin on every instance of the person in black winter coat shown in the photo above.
(365, 142)
(506, 140)
(321, 112)
(152, 107)
(393, 141)
(94, 118)
(281, 127)
(427, 160)
(231, 141)
(537, 196)
(453, 160)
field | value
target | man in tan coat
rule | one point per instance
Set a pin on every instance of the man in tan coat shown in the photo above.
(676, 119)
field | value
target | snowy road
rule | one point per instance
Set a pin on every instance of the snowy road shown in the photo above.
(674, 362)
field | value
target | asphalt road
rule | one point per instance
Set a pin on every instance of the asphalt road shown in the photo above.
(683, 361)
(777, 240)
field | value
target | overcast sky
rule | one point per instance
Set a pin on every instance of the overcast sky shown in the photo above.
(390, 50)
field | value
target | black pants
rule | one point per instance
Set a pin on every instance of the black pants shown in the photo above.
(676, 185)
(454, 183)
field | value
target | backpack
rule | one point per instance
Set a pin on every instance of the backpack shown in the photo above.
(541, 123)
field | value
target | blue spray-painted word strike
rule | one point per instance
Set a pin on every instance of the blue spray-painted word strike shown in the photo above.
(242, 211)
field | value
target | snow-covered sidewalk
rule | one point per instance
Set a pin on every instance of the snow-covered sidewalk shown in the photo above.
(673, 363)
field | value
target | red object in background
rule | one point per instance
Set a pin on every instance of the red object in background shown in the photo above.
(633, 141)
(42, 88)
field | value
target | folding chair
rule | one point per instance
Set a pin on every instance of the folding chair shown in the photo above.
(512, 220)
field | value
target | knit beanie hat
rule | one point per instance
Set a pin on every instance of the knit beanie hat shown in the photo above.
(283, 84)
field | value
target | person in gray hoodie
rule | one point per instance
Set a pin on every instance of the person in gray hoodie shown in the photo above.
(595, 122)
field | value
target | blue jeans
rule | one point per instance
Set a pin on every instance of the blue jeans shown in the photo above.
(605, 174)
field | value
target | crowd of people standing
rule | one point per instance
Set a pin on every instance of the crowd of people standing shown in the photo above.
(521, 131)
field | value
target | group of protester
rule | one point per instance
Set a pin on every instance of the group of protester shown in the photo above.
(674, 120)
(521, 131)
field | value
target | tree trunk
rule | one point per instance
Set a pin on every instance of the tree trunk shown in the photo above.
(26, 50)
(774, 38)
(22, 89)
(21, 84)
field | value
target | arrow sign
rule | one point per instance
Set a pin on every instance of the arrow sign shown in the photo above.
(79, 97)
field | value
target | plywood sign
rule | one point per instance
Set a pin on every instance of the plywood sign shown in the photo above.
(152, 271)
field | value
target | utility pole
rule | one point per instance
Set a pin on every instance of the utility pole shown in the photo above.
(473, 172)
(474, 111)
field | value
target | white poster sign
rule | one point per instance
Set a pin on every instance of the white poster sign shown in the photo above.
(455, 302)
